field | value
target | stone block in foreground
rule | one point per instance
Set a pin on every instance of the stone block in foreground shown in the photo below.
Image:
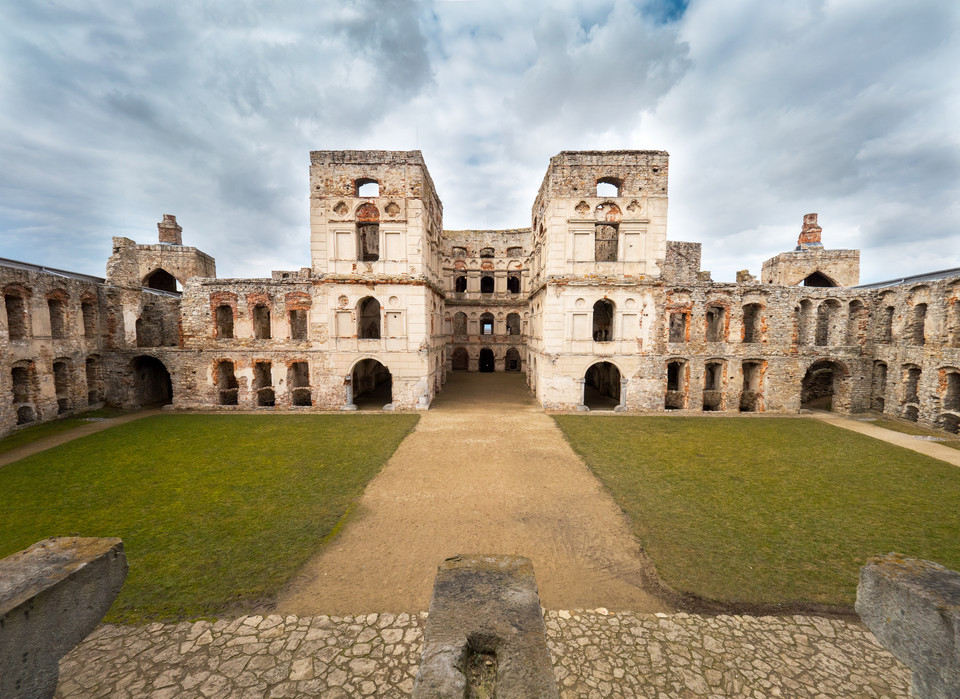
(52, 595)
(486, 605)
(913, 608)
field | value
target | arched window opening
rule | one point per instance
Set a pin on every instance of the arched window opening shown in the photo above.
(918, 327)
(911, 413)
(514, 252)
(368, 319)
(951, 393)
(953, 322)
(949, 423)
(751, 395)
(601, 386)
(460, 324)
(161, 280)
(372, 385)
(58, 321)
(513, 283)
(603, 320)
(751, 323)
(224, 322)
(878, 388)
(460, 285)
(713, 386)
(261, 322)
(298, 382)
(227, 387)
(715, 322)
(23, 387)
(486, 324)
(805, 323)
(298, 324)
(367, 188)
(817, 279)
(93, 380)
(460, 359)
(819, 388)
(676, 394)
(88, 312)
(609, 187)
(885, 330)
(459, 253)
(827, 317)
(486, 363)
(511, 360)
(513, 324)
(856, 323)
(17, 327)
(62, 385)
(263, 384)
(487, 253)
(151, 380)
(911, 384)
(486, 284)
(677, 330)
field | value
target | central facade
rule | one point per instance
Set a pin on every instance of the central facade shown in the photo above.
(592, 303)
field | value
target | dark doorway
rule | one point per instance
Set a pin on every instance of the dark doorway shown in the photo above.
(820, 386)
(486, 360)
(162, 280)
(461, 359)
(372, 385)
(601, 389)
(817, 279)
(151, 381)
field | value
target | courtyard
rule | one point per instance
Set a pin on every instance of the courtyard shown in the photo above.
(731, 515)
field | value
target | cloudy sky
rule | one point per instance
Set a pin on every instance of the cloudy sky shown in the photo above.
(114, 112)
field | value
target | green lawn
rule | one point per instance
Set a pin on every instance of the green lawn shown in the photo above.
(26, 435)
(949, 440)
(213, 509)
(769, 511)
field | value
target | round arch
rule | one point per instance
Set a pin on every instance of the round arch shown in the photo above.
(487, 360)
(601, 386)
(372, 384)
(460, 359)
(152, 384)
(161, 280)
(825, 386)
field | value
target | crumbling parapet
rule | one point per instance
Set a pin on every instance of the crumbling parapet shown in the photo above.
(913, 608)
(485, 621)
(52, 595)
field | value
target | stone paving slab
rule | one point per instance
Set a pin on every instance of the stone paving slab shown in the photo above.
(595, 654)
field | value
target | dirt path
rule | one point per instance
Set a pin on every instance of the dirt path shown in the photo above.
(907, 441)
(485, 471)
(56, 440)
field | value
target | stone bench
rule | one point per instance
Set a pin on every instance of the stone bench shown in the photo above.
(913, 608)
(485, 627)
(52, 595)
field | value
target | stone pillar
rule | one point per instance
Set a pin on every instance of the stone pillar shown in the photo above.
(170, 232)
(583, 387)
(913, 608)
(52, 595)
(348, 389)
(623, 397)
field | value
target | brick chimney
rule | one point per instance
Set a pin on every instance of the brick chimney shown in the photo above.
(170, 232)
(810, 233)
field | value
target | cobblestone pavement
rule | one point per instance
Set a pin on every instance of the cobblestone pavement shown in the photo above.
(596, 654)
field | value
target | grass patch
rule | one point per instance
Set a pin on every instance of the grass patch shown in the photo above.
(214, 510)
(769, 511)
(910, 428)
(26, 435)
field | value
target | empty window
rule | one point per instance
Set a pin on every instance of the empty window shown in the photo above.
(263, 383)
(459, 253)
(298, 324)
(712, 377)
(161, 280)
(486, 253)
(885, 331)
(367, 188)
(675, 398)
(227, 386)
(953, 322)
(751, 395)
(261, 322)
(603, 321)
(460, 285)
(20, 384)
(298, 379)
(368, 242)
(911, 385)
(511, 360)
(224, 322)
(608, 187)
(58, 319)
(678, 327)
(673, 376)
(61, 384)
(805, 324)
(918, 332)
(514, 252)
(605, 243)
(751, 322)
(513, 324)
(951, 394)
(513, 283)
(715, 323)
(93, 380)
(856, 323)
(89, 313)
(368, 319)
(16, 316)
(879, 387)
(486, 284)
(486, 324)
(460, 323)
(817, 279)
(826, 332)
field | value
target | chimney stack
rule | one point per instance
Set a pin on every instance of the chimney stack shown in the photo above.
(171, 233)
(810, 233)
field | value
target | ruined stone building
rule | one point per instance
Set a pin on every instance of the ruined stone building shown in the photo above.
(592, 303)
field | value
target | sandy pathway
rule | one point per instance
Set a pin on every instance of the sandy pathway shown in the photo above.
(907, 441)
(485, 471)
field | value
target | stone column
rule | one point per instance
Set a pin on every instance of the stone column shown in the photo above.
(623, 397)
(583, 387)
(348, 388)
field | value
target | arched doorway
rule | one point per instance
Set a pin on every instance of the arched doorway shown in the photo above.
(372, 385)
(511, 360)
(461, 359)
(822, 386)
(601, 389)
(151, 381)
(486, 359)
(161, 280)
